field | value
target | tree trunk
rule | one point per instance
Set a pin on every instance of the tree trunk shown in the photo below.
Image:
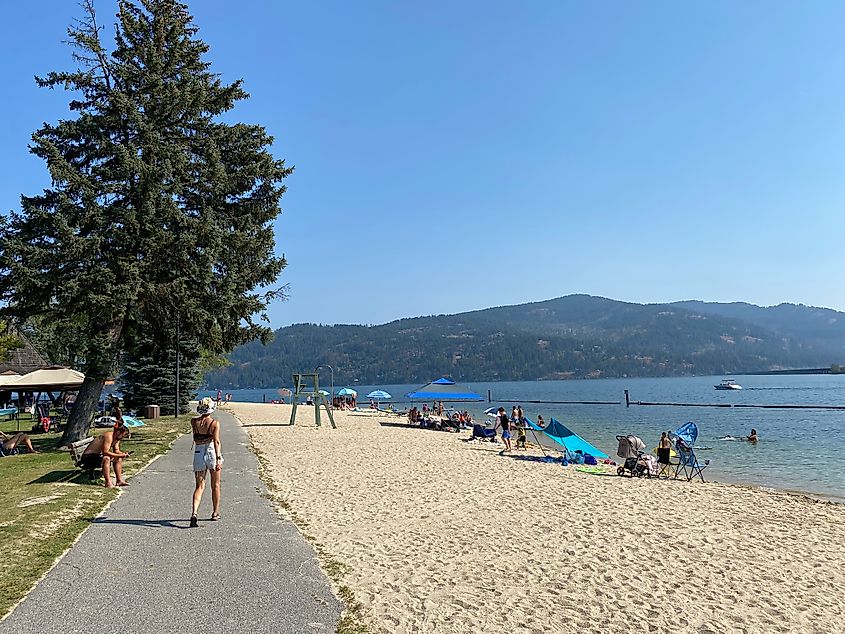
(83, 409)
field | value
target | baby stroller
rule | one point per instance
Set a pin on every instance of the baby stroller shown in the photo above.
(636, 463)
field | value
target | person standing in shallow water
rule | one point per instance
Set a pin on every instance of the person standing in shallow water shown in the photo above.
(207, 458)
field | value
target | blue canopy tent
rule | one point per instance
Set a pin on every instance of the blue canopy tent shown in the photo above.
(559, 435)
(444, 389)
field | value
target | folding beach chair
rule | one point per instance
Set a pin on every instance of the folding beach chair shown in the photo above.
(684, 441)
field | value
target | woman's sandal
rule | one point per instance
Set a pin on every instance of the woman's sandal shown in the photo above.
(194, 523)
(215, 517)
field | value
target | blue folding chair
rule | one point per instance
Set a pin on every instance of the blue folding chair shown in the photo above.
(684, 440)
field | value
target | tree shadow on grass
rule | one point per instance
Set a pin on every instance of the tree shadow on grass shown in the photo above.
(72, 476)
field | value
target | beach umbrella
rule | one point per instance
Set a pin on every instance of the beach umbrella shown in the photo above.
(444, 389)
(347, 391)
(491, 411)
(379, 395)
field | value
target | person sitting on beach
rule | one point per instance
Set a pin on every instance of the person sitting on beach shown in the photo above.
(10, 443)
(505, 424)
(753, 436)
(104, 451)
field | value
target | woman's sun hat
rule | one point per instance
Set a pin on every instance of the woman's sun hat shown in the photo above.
(205, 406)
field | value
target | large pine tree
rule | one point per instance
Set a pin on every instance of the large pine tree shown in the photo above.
(148, 375)
(156, 207)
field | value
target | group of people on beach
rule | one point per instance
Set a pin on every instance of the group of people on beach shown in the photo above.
(223, 398)
(344, 402)
(433, 418)
(515, 422)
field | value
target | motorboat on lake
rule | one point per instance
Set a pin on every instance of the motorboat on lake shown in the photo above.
(728, 384)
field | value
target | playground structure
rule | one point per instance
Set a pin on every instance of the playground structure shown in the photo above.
(308, 385)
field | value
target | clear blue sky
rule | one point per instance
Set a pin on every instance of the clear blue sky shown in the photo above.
(458, 155)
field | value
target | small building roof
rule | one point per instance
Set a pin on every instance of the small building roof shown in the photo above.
(24, 359)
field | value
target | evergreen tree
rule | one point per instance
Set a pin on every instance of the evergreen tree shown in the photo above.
(9, 342)
(148, 375)
(157, 210)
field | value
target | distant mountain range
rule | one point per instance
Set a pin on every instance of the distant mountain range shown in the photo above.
(577, 336)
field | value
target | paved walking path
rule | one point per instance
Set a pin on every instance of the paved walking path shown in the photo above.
(140, 569)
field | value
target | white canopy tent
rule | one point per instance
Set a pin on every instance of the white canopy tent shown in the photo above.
(55, 379)
(5, 379)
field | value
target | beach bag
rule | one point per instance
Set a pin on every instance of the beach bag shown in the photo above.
(589, 459)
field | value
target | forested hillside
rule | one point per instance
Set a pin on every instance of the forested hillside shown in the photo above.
(570, 337)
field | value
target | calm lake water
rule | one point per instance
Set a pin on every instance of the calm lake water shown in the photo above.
(799, 450)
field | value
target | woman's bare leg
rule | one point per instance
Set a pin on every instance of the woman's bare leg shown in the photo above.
(17, 439)
(215, 491)
(198, 491)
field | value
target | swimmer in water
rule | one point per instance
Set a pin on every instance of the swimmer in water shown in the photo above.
(753, 436)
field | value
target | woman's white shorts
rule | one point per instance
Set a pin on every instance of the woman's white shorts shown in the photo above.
(205, 458)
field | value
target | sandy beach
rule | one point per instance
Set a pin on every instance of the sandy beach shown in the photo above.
(441, 535)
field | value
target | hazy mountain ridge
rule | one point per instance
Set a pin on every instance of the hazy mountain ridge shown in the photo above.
(823, 326)
(573, 336)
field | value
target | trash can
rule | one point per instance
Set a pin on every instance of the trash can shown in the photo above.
(153, 411)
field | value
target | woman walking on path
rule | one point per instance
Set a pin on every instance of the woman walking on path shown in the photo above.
(207, 457)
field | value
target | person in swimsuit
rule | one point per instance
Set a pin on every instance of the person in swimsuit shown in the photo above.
(104, 452)
(753, 436)
(504, 423)
(207, 458)
(10, 443)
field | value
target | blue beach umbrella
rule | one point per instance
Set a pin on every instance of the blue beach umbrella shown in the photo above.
(379, 395)
(347, 391)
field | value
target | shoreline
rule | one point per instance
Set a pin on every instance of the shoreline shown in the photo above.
(437, 535)
(715, 475)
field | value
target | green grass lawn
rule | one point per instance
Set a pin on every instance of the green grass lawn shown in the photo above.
(46, 502)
